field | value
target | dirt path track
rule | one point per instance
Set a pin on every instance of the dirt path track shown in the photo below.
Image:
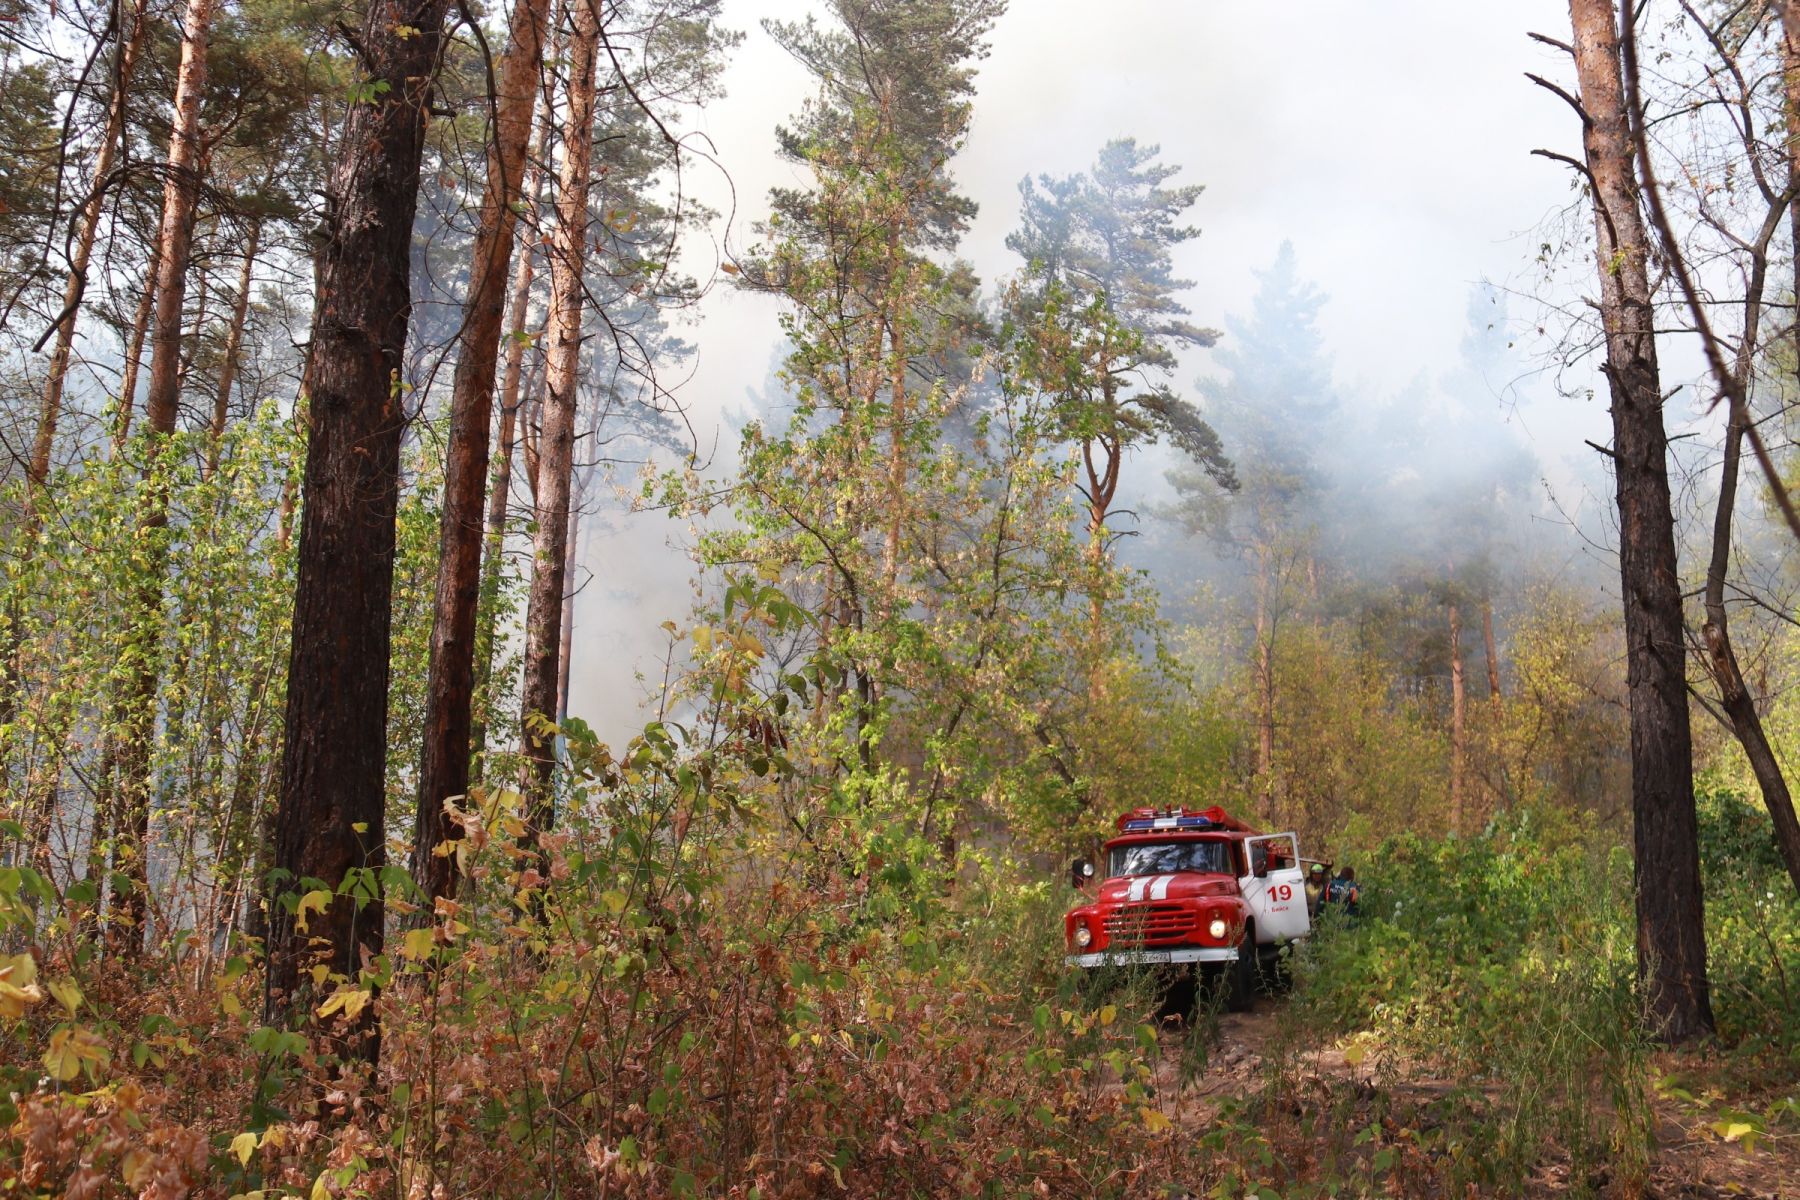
(1691, 1162)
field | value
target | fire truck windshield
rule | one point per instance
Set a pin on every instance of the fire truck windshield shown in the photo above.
(1167, 858)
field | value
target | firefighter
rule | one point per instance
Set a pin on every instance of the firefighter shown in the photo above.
(1317, 880)
(1344, 891)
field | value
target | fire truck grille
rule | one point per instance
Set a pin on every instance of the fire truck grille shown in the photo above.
(1150, 924)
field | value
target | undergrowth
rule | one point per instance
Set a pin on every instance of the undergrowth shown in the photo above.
(679, 1000)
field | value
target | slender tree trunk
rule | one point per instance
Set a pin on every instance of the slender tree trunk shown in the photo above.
(1670, 913)
(1493, 656)
(1458, 734)
(556, 439)
(1265, 683)
(897, 417)
(1790, 78)
(450, 686)
(1734, 697)
(493, 563)
(134, 354)
(565, 652)
(137, 713)
(234, 345)
(331, 816)
(131, 38)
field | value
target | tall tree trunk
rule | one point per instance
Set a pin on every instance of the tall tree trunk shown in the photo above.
(131, 39)
(1458, 733)
(450, 686)
(1493, 656)
(137, 712)
(134, 353)
(234, 345)
(565, 651)
(897, 417)
(556, 440)
(1790, 78)
(493, 561)
(1734, 697)
(1670, 912)
(334, 745)
(1265, 682)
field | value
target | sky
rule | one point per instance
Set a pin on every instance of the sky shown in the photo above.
(1389, 140)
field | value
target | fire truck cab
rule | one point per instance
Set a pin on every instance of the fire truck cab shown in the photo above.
(1194, 890)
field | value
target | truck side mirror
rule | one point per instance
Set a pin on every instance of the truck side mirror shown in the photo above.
(1081, 874)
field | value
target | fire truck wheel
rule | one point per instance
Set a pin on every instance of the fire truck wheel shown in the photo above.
(1240, 980)
(1272, 973)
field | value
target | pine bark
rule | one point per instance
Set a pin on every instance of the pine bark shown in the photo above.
(556, 438)
(330, 819)
(1670, 912)
(137, 712)
(450, 687)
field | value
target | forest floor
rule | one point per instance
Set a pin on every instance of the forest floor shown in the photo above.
(1691, 1161)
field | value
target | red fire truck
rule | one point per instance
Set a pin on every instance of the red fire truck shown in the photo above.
(1198, 891)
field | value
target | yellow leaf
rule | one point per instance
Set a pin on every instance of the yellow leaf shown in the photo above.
(1109, 1014)
(243, 1145)
(70, 1047)
(416, 944)
(314, 901)
(1731, 1131)
(18, 985)
(67, 994)
(347, 1000)
(320, 973)
(1155, 1120)
(319, 1190)
(703, 638)
(615, 900)
(20, 970)
(1355, 1053)
(229, 1003)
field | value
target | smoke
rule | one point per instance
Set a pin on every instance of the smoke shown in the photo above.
(1390, 143)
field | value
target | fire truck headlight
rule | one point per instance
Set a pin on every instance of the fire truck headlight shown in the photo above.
(1083, 935)
(1217, 929)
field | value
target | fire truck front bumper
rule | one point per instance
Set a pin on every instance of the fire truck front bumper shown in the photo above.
(1141, 958)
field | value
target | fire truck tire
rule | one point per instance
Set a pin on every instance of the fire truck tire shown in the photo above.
(1272, 972)
(1240, 977)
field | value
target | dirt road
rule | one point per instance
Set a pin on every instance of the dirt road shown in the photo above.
(1692, 1159)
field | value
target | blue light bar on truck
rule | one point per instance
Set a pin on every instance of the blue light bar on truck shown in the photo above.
(1152, 824)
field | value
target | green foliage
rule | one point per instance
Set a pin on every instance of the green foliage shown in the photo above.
(1504, 963)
